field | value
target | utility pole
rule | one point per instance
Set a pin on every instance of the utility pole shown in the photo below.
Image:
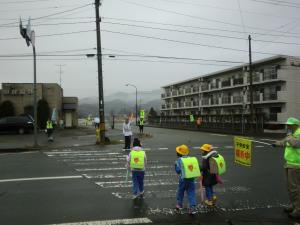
(29, 36)
(251, 85)
(60, 72)
(100, 77)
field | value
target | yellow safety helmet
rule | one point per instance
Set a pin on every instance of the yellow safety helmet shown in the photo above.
(292, 121)
(182, 150)
(206, 147)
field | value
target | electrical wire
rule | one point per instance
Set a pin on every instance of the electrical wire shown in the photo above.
(50, 35)
(197, 27)
(53, 14)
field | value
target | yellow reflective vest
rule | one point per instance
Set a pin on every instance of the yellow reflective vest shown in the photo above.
(292, 154)
(137, 159)
(190, 167)
(49, 125)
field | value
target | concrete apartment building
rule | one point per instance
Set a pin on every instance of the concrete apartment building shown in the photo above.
(276, 82)
(21, 96)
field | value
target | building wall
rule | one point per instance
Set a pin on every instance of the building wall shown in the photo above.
(275, 85)
(21, 95)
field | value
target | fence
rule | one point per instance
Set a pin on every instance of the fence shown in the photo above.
(233, 124)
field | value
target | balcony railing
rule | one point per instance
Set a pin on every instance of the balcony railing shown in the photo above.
(163, 106)
(188, 104)
(273, 117)
(204, 87)
(214, 101)
(226, 100)
(174, 93)
(181, 104)
(195, 89)
(163, 95)
(238, 81)
(237, 99)
(205, 101)
(174, 105)
(180, 92)
(195, 103)
(214, 86)
(270, 97)
(226, 83)
(168, 94)
(270, 76)
(188, 91)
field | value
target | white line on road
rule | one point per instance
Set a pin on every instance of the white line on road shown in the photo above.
(163, 148)
(228, 146)
(40, 178)
(267, 139)
(265, 143)
(111, 222)
(221, 135)
(259, 146)
(118, 168)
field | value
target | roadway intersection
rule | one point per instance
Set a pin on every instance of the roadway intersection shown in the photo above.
(84, 184)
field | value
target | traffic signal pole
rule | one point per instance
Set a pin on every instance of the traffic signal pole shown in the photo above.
(100, 76)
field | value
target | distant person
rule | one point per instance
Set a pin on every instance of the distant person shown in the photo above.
(96, 122)
(141, 125)
(291, 143)
(136, 161)
(127, 133)
(49, 127)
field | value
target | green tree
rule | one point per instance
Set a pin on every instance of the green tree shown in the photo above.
(7, 109)
(43, 113)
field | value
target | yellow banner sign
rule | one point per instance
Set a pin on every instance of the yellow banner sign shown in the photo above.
(243, 151)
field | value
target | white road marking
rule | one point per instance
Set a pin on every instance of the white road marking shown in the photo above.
(39, 178)
(221, 135)
(163, 148)
(198, 147)
(265, 143)
(110, 222)
(259, 146)
(118, 168)
(125, 184)
(228, 146)
(265, 139)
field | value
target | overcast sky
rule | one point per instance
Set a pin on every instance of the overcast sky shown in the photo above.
(205, 31)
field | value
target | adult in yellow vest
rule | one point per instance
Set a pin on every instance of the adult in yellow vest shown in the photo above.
(141, 125)
(188, 170)
(49, 127)
(292, 156)
(136, 161)
(208, 179)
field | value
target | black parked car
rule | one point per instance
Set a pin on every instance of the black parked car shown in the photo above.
(19, 124)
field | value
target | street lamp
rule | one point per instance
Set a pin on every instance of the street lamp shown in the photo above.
(136, 111)
(29, 36)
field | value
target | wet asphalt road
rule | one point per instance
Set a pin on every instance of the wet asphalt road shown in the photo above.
(89, 184)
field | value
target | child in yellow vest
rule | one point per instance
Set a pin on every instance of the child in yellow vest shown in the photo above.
(188, 170)
(137, 161)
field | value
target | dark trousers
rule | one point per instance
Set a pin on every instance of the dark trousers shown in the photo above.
(293, 186)
(127, 142)
(141, 128)
(137, 181)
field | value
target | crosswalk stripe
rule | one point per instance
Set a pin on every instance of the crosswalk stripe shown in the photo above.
(39, 178)
(110, 222)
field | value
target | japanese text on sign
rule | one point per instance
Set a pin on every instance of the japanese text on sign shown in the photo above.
(243, 151)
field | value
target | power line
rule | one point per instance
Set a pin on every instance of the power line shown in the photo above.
(278, 3)
(190, 16)
(21, 2)
(204, 34)
(50, 35)
(227, 9)
(185, 42)
(53, 14)
(204, 28)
